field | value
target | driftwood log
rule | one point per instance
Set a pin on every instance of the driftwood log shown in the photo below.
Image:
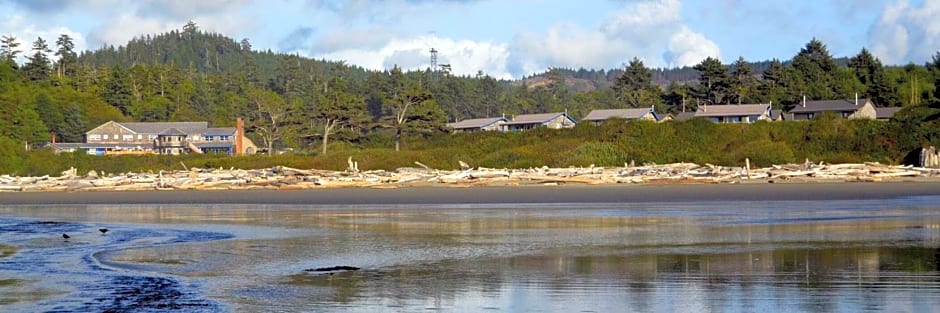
(287, 178)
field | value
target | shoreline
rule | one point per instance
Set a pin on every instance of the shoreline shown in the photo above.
(430, 195)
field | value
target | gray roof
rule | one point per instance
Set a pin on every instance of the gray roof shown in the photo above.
(477, 122)
(220, 131)
(732, 110)
(600, 115)
(840, 105)
(159, 127)
(68, 145)
(886, 113)
(173, 132)
(535, 118)
(684, 116)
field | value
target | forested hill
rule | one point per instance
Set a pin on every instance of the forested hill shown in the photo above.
(582, 79)
(204, 52)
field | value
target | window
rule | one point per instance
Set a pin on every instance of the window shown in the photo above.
(105, 137)
(223, 138)
(128, 137)
(151, 137)
(94, 137)
(139, 136)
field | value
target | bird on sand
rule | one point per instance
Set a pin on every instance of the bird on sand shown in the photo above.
(66, 237)
(103, 230)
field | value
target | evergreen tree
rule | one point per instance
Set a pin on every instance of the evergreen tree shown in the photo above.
(116, 92)
(73, 130)
(933, 68)
(676, 98)
(9, 48)
(342, 109)
(408, 108)
(635, 87)
(49, 113)
(865, 65)
(267, 116)
(772, 84)
(714, 82)
(742, 81)
(882, 91)
(37, 66)
(65, 66)
(817, 69)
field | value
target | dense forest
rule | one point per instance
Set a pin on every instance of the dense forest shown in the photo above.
(308, 105)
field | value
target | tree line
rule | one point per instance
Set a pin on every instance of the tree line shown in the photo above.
(290, 101)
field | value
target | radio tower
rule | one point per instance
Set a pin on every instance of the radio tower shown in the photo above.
(433, 60)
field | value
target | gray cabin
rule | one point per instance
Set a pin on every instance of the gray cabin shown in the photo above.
(479, 124)
(598, 117)
(847, 108)
(734, 113)
(549, 120)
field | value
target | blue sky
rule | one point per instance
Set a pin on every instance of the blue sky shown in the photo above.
(506, 39)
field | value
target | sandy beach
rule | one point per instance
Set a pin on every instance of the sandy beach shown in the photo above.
(492, 195)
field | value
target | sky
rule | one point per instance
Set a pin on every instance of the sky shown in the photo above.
(505, 39)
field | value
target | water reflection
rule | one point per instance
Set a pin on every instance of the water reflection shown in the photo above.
(748, 256)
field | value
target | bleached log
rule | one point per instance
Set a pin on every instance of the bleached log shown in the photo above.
(11, 188)
(897, 174)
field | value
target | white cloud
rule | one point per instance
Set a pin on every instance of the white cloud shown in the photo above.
(127, 26)
(465, 57)
(187, 9)
(906, 33)
(651, 30)
(687, 48)
(121, 23)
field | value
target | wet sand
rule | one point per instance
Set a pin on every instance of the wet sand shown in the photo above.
(493, 195)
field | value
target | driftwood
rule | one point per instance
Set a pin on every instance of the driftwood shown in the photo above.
(287, 178)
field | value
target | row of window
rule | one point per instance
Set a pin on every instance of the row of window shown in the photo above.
(97, 137)
(94, 137)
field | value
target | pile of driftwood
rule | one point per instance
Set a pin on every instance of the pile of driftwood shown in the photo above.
(286, 178)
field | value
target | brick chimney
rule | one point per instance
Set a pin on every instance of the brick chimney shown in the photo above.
(239, 136)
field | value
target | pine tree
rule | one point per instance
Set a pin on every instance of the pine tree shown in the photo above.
(742, 81)
(267, 115)
(9, 48)
(676, 98)
(37, 66)
(408, 107)
(817, 69)
(772, 84)
(116, 92)
(865, 65)
(933, 67)
(714, 82)
(635, 87)
(73, 129)
(339, 108)
(65, 66)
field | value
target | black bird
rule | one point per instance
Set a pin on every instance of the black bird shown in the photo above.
(103, 230)
(66, 237)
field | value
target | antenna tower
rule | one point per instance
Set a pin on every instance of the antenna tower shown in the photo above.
(433, 60)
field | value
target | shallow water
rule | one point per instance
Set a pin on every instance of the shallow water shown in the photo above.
(790, 256)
